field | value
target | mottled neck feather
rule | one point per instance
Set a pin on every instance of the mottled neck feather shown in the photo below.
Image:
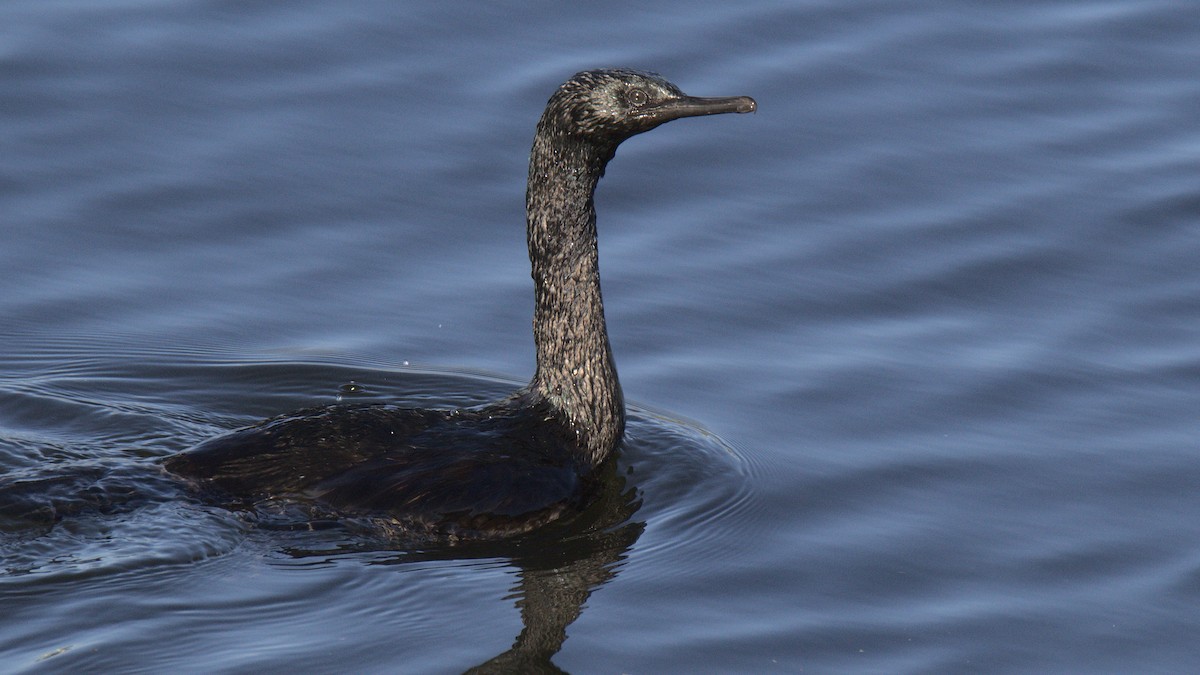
(575, 370)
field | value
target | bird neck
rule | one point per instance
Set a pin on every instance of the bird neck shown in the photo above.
(575, 370)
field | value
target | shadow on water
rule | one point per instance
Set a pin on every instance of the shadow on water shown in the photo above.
(558, 567)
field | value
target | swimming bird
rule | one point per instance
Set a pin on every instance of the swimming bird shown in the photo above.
(515, 464)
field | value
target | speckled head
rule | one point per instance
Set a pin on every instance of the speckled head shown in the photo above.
(610, 105)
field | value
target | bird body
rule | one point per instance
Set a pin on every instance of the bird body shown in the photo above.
(515, 464)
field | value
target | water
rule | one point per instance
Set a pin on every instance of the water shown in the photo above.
(933, 310)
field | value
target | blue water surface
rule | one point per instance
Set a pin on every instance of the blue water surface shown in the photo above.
(913, 352)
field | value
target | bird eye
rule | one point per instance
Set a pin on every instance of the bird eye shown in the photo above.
(638, 98)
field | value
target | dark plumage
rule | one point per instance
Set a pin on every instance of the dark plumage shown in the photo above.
(512, 465)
